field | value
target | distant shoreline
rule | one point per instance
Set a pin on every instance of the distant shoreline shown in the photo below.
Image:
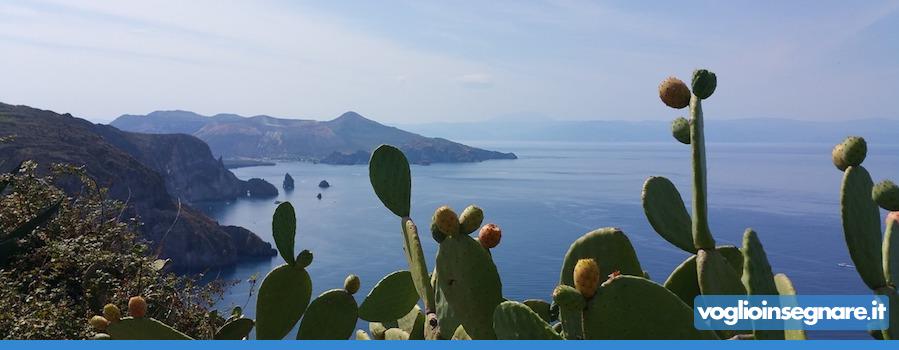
(245, 163)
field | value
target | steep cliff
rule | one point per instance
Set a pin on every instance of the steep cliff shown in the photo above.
(177, 231)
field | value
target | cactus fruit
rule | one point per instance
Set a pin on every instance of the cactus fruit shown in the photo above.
(490, 236)
(137, 307)
(446, 220)
(351, 284)
(361, 335)
(680, 128)
(851, 152)
(837, 155)
(304, 258)
(886, 194)
(99, 323)
(586, 277)
(674, 93)
(470, 219)
(390, 299)
(704, 83)
(112, 313)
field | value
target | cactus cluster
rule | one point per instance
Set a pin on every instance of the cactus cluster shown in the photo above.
(603, 291)
(875, 257)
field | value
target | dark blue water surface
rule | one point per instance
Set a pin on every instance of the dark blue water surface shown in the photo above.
(556, 192)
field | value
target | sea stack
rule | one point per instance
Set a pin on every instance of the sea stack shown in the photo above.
(288, 182)
(324, 184)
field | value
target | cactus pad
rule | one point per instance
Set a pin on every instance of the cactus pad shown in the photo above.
(540, 307)
(630, 307)
(390, 299)
(236, 329)
(418, 268)
(388, 171)
(516, 321)
(396, 334)
(460, 334)
(861, 226)
(361, 335)
(886, 195)
(145, 328)
(470, 219)
(704, 83)
(785, 287)
(758, 278)
(716, 275)
(609, 247)
(282, 299)
(666, 212)
(891, 252)
(680, 129)
(284, 230)
(684, 281)
(470, 283)
(331, 316)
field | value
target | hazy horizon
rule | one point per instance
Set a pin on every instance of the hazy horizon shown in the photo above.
(406, 62)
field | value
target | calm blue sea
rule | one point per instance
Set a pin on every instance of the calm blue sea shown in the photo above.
(556, 192)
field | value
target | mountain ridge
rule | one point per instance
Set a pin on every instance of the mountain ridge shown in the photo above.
(346, 139)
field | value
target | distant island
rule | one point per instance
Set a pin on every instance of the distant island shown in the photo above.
(347, 139)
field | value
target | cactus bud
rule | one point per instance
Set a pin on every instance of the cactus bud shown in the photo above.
(680, 128)
(101, 336)
(838, 160)
(446, 220)
(137, 307)
(586, 277)
(854, 150)
(112, 313)
(886, 194)
(436, 234)
(99, 323)
(674, 93)
(490, 235)
(304, 259)
(351, 284)
(568, 298)
(470, 219)
(704, 83)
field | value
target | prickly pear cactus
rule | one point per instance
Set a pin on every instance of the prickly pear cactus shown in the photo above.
(144, 328)
(236, 329)
(388, 171)
(631, 307)
(609, 247)
(785, 287)
(390, 299)
(516, 321)
(282, 299)
(874, 257)
(469, 282)
(666, 212)
(684, 281)
(758, 278)
(331, 316)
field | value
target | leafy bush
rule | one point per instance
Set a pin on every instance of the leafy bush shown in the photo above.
(66, 270)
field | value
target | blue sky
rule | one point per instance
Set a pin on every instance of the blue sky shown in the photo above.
(420, 61)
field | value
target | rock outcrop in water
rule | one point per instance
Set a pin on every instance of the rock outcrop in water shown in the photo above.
(288, 182)
(139, 170)
(347, 139)
(259, 188)
(324, 184)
